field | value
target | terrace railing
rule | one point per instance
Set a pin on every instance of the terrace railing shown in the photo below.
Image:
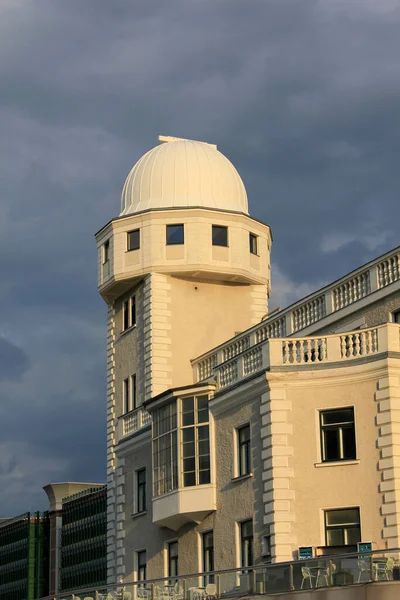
(380, 566)
(301, 352)
(359, 284)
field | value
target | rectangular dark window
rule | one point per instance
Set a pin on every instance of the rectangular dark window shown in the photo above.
(243, 436)
(133, 240)
(141, 490)
(173, 559)
(208, 556)
(246, 544)
(106, 251)
(125, 315)
(253, 243)
(342, 527)
(219, 235)
(133, 310)
(127, 396)
(133, 392)
(396, 317)
(338, 438)
(141, 566)
(175, 234)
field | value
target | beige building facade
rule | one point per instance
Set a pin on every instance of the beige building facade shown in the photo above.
(236, 437)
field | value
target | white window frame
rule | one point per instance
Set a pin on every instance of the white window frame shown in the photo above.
(135, 489)
(105, 252)
(320, 442)
(136, 564)
(127, 308)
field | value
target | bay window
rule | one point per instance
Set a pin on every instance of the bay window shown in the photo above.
(189, 429)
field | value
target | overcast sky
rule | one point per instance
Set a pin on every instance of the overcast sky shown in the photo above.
(303, 96)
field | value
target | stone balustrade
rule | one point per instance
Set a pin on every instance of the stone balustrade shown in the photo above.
(297, 352)
(132, 421)
(359, 284)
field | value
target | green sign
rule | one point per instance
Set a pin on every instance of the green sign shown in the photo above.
(305, 552)
(364, 547)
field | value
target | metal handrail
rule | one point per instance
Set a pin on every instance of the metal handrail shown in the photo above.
(253, 569)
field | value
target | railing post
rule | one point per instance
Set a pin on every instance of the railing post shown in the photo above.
(218, 585)
(152, 592)
(123, 592)
(97, 595)
(184, 588)
(291, 578)
(371, 566)
(330, 573)
(254, 584)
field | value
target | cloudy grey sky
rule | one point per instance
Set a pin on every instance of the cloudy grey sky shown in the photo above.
(302, 95)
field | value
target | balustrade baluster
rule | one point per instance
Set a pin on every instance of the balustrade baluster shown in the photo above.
(343, 346)
(357, 345)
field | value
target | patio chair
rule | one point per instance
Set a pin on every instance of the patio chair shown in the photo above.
(142, 593)
(385, 569)
(323, 576)
(364, 566)
(211, 591)
(307, 576)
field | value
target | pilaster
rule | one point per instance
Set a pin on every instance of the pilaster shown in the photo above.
(111, 440)
(388, 421)
(278, 473)
(157, 334)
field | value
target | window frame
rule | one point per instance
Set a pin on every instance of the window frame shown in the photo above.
(207, 553)
(140, 568)
(243, 470)
(214, 229)
(129, 314)
(140, 492)
(342, 526)
(126, 395)
(133, 403)
(105, 252)
(197, 441)
(172, 560)
(340, 427)
(163, 441)
(129, 246)
(253, 243)
(246, 549)
(181, 230)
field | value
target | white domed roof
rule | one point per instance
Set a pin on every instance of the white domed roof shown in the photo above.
(182, 173)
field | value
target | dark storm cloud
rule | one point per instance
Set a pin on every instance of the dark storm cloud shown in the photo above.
(302, 95)
(13, 361)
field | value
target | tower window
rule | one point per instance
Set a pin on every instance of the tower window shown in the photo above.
(219, 235)
(175, 234)
(129, 313)
(243, 438)
(141, 490)
(106, 251)
(133, 240)
(253, 243)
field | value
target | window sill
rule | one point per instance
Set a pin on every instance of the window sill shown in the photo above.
(337, 463)
(139, 514)
(132, 250)
(242, 477)
(128, 330)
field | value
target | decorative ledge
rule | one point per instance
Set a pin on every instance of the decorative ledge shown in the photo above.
(337, 463)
